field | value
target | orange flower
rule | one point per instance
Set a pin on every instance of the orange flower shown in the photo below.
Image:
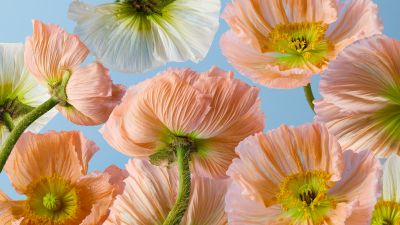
(361, 96)
(86, 95)
(301, 176)
(211, 111)
(51, 170)
(151, 191)
(282, 43)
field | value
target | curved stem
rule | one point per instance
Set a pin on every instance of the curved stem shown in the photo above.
(8, 121)
(309, 95)
(25, 122)
(182, 202)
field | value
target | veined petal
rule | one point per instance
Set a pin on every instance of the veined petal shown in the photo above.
(391, 179)
(51, 51)
(92, 94)
(257, 65)
(25, 164)
(136, 43)
(356, 20)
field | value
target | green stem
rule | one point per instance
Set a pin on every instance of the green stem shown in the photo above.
(182, 202)
(25, 122)
(8, 121)
(309, 95)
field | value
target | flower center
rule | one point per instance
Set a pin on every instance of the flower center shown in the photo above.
(386, 213)
(304, 196)
(52, 200)
(299, 45)
(147, 7)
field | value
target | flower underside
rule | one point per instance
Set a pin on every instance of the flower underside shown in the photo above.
(166, 151)
(297, 45)
(142, 7)
(304, 197)
(386, 213)
(52, 200)
(388, 118)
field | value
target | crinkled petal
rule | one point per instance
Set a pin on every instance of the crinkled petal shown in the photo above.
(257, 66)
(184, 31)
(149, 195)
(91, 92)
(357, 19)
(65, 154)
(252, 20)
(242, 210)
(265, 160)
(361, 184)
(51, 51)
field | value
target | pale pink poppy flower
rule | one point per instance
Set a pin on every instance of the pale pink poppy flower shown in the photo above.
(53, 56)
(301, 176)
(212, 111)
(51, 170)
(361, 96)
(282, 43)
(150, 193)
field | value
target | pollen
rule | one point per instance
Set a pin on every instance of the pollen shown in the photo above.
(299, 45)
(304, 196)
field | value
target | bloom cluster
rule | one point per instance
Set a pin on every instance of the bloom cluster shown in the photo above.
(198, 152)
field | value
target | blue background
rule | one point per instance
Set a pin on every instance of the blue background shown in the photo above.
(280, 106)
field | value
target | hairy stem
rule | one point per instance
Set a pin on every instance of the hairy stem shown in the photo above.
(19, 129)
(8, 121)
(309, 95)
(182, 202)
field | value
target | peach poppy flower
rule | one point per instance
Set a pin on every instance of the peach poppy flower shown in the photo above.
(150, 193)
(51, 170)
(282, 43)
(361, 93)
(301, 176)
(86, 94)
(212, 111)
(387, 210)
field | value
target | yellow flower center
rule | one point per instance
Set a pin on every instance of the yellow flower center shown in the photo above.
(386, 213)
(304, 196)
(299, 45)
(52, 200)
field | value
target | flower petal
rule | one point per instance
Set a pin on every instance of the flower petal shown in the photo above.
(391, 179)
(255, 65)
(134, 43)
(66, 154)
(361, 170)
(357, 19)
(91, 92)
(265, 160)
(51, 51)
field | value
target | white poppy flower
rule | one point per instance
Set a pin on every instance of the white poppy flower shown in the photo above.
(19, 91)
(139, 35)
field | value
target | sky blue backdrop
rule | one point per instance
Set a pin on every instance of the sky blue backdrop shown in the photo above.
(280, 106)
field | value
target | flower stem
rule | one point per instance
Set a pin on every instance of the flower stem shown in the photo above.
(25, 122)
(8, 121)
(309, 95)
(182, 202)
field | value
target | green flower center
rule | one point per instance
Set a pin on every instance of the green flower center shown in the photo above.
(304, 196)
(299, 45)
(52, 200)
(386, 213)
